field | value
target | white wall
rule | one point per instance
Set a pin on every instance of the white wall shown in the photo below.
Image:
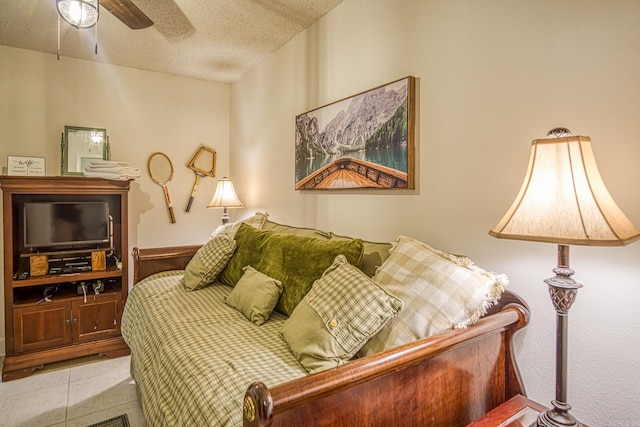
(492, 76)
(143, 112)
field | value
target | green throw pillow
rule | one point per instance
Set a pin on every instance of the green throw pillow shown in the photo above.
(294, 260)
(343, 309)
(208, 262)
(255, 295)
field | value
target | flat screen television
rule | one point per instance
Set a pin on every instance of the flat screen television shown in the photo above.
(66, 224)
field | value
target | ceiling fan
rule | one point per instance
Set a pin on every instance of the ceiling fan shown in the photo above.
(171, 22)
(128, 13)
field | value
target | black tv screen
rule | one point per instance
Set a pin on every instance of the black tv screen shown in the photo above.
(65, 224)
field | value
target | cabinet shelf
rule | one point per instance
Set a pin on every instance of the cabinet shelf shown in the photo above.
(68, 291)
(67, 277)
(62, 254)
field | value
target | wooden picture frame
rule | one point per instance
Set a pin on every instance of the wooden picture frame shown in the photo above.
(26, 166)
(82, 145)
(363, 141)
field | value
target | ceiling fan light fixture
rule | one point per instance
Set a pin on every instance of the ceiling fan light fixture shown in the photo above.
(79, 13)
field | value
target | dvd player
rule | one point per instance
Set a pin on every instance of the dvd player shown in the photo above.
(70, 266)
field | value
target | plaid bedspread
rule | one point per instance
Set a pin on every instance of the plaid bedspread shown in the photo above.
(193, 356)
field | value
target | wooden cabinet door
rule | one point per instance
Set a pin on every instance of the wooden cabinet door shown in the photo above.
(41, 326)
(97, 318)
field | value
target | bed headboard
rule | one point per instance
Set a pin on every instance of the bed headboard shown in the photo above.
(154, 260)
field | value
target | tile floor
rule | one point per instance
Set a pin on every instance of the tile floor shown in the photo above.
(74, 393)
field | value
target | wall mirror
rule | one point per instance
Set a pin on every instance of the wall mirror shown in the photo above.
(81, 146)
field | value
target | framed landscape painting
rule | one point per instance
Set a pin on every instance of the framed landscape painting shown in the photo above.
(364, 141)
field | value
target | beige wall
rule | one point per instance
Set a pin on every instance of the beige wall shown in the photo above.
(143, 112)
(492, 76)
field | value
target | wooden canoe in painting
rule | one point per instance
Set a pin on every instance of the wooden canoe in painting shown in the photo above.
(347, 172)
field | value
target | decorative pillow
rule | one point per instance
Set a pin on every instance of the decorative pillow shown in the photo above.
(208, 262)
(298, 231)
(440, 291)
(255, 295)
(231, 228)
(373, 254)
(343, 309)
(294, 260)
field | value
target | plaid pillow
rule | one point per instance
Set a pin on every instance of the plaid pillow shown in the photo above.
(208, 262)
(440, 291)
(343, 309)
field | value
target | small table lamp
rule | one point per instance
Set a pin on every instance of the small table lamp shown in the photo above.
(225, 197)
(563, 200)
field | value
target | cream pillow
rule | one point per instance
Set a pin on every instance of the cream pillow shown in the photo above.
(298, 231)
(208, 262)
(343, 309)
(440, 291)
(229, 229)
(255, 295)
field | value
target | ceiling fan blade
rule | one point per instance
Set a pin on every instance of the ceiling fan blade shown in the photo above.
(128, 13)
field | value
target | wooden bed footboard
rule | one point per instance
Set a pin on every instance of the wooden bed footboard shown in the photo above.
(446, 380)
(449, 379)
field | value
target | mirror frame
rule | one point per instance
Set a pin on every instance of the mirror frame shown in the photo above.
(103, 153)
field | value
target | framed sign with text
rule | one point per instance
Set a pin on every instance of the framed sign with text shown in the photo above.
(26, 166)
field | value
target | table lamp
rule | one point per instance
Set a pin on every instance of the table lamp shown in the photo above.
(563, 200)
(225, 197)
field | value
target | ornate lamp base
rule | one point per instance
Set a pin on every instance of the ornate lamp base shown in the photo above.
(559, 416)
(563, 291)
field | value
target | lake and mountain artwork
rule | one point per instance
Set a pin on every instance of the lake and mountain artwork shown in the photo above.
(365, 141)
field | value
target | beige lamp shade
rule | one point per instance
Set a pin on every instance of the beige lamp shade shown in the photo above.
(225, 196)
(564, 200)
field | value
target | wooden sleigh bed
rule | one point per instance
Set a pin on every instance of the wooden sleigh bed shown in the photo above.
(449, 379)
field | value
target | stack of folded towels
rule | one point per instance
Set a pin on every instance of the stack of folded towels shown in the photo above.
(118, 171)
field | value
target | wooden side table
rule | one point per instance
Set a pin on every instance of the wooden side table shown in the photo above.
(515, 412)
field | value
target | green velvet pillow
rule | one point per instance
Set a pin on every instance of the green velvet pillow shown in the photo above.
(341, 312)
(208, 262)
(294, 260)
(255, 295)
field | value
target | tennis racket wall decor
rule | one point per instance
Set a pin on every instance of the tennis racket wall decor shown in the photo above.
(203, 163)
(161, 172)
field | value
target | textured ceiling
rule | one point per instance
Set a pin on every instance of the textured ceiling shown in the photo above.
(216, 40)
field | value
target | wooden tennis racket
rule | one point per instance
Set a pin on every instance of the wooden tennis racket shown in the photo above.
(161, 172)
(203, 163)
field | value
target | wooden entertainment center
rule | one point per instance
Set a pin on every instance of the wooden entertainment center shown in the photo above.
(77, 321)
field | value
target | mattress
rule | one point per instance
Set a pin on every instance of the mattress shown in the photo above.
(193, 356)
